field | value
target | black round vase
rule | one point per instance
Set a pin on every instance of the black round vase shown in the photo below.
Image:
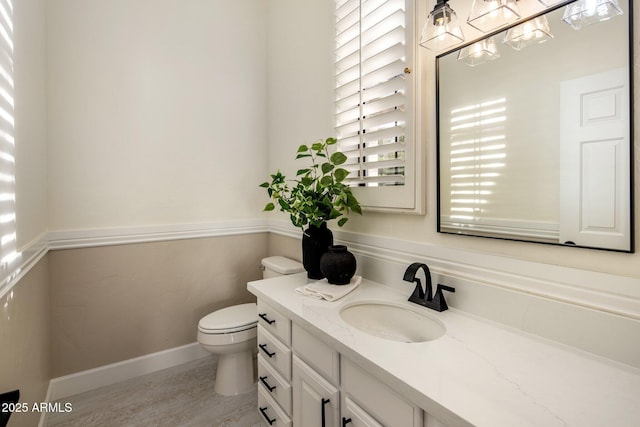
(315, 242)
(338, 265)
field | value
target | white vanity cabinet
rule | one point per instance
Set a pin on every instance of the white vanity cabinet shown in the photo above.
(304, 382)
(478, 374)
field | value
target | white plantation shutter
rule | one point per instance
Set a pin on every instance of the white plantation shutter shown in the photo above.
(7, 143)
(372, 90)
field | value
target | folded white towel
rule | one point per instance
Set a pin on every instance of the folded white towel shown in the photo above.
(323, 290)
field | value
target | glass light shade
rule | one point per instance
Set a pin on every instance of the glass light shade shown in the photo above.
(487, 15)
(587, 12)
(530, 32)
(479, 52)
(441, 30)
(549, 3)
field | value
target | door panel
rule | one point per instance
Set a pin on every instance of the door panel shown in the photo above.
(314, 399)
(594, 161)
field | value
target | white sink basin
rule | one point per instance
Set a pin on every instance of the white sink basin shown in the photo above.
(395, 322)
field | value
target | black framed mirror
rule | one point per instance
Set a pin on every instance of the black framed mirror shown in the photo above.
(535, 141)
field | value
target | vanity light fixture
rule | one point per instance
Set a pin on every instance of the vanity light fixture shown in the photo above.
(479, 52)
(441, 31)
(530, 32)
(549, 3)
(487, 15)
(587, 12)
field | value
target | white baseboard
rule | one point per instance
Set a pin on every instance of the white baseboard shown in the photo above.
(72, 384)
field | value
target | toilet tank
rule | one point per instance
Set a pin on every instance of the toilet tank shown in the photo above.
(275, 266)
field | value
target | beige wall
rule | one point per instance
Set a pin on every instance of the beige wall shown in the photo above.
(300, 85)
(156, 112)
(285, 246)
(30, 119)
(146, 103)
(24, 338)
(79, 309)
(114, 303)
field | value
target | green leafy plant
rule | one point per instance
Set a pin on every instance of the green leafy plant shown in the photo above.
(318, 193)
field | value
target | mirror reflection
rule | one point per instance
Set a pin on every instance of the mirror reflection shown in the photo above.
(534, 132)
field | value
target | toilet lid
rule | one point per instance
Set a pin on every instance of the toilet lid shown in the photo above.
(230, 319)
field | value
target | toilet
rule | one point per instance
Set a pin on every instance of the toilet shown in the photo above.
(231, 333)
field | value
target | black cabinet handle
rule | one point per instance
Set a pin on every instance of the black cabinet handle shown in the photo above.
(345, 421)
(263, 347)
(266, 319)
(269, 387)
(263, 411)
(323, 404)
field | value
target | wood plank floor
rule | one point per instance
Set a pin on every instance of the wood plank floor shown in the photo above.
(179, 396)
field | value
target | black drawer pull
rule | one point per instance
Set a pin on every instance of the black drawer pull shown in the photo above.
(269, 387)
(266, 319)
(323, 404)
(345, 421)
(263, 411)
(263, 347)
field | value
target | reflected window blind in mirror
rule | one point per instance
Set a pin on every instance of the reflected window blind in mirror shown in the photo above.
(476, 158)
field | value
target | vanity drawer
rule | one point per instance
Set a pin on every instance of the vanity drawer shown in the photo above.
(270, 412)
(273, 384)
(317, 354)
(274, 352)
(274, 322)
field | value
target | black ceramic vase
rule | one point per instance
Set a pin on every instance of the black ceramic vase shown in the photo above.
(338, 265)
(315, 242)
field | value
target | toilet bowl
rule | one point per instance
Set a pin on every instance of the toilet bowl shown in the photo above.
(231, 333)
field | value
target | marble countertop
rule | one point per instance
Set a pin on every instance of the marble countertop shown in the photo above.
(479, 373)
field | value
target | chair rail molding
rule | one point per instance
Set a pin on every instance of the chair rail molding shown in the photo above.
(70, 239)
(381, 259)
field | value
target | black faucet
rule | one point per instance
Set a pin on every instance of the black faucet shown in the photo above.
(424, 298)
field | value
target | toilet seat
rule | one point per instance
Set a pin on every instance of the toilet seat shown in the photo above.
(229, 320)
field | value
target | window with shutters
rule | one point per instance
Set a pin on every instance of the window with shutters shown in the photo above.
(374, 100)
(8, 252)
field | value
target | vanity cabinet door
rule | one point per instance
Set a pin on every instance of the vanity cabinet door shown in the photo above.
(354, 416)
(315, 400)
(376, 398)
